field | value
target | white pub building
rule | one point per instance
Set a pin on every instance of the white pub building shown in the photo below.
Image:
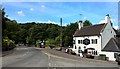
(102, 38)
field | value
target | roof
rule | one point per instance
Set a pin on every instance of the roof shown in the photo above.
(113, 45)
(118, 34)
(116, 31)
(90, 30)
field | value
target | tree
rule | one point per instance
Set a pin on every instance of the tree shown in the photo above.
(9, 28)
(68, 32)
(57, 41)
(50, 43)
(52, 32)
(38, 43)
(87, 23)
(3, 19)
(33, 32)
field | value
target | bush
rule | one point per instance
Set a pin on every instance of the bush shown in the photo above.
(7, 44)
(50, 42)
(4, 46)
(12, 45)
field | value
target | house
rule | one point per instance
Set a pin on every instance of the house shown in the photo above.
(103, 38)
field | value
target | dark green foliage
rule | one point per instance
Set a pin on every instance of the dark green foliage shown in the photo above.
(32, 32)
(9, 28)
(38, 31)
(87, 23)
(68, 32)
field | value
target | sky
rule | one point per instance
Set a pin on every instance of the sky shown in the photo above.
(70, 12)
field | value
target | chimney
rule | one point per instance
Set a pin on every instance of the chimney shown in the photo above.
(107, 19)
(80, 25)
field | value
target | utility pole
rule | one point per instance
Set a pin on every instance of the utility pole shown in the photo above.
(61, 32)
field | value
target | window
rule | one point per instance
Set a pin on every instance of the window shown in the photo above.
(115, 55)
(96, 53)
(79, 41)
(92, 52)
(94, 41)
(75, 47)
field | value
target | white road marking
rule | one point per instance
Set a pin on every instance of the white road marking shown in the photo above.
(54, 68)
(58, 56)
(49, 64)
(49, 57)
(24, 54)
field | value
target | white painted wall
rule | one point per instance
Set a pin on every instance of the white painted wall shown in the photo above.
(107, 34)
(109, 54)
(96, 46)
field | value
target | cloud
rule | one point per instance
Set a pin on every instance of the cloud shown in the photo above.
(65, 24)
(116, 27)
(84, 18)
(31, 9)
(49, 21)
(43, 6)
(20, 13)
(114, 20)
(102, 21)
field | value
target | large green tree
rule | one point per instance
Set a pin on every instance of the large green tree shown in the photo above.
(69, 31)
(87, 23)
(9, 28)
(33, 32)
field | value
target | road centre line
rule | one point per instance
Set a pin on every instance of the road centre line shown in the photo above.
(59, 57)
(49, 64)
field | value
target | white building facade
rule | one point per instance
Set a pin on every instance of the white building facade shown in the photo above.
(95, 36)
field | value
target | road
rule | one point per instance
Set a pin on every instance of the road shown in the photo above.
(36, 57)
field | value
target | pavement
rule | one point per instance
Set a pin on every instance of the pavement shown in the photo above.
(31, 57)
(7, 52)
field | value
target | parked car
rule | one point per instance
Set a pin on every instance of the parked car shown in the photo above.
(118, 59)
(89, 53)
(70, 51)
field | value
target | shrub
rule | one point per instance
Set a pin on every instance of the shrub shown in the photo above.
(7, 44)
